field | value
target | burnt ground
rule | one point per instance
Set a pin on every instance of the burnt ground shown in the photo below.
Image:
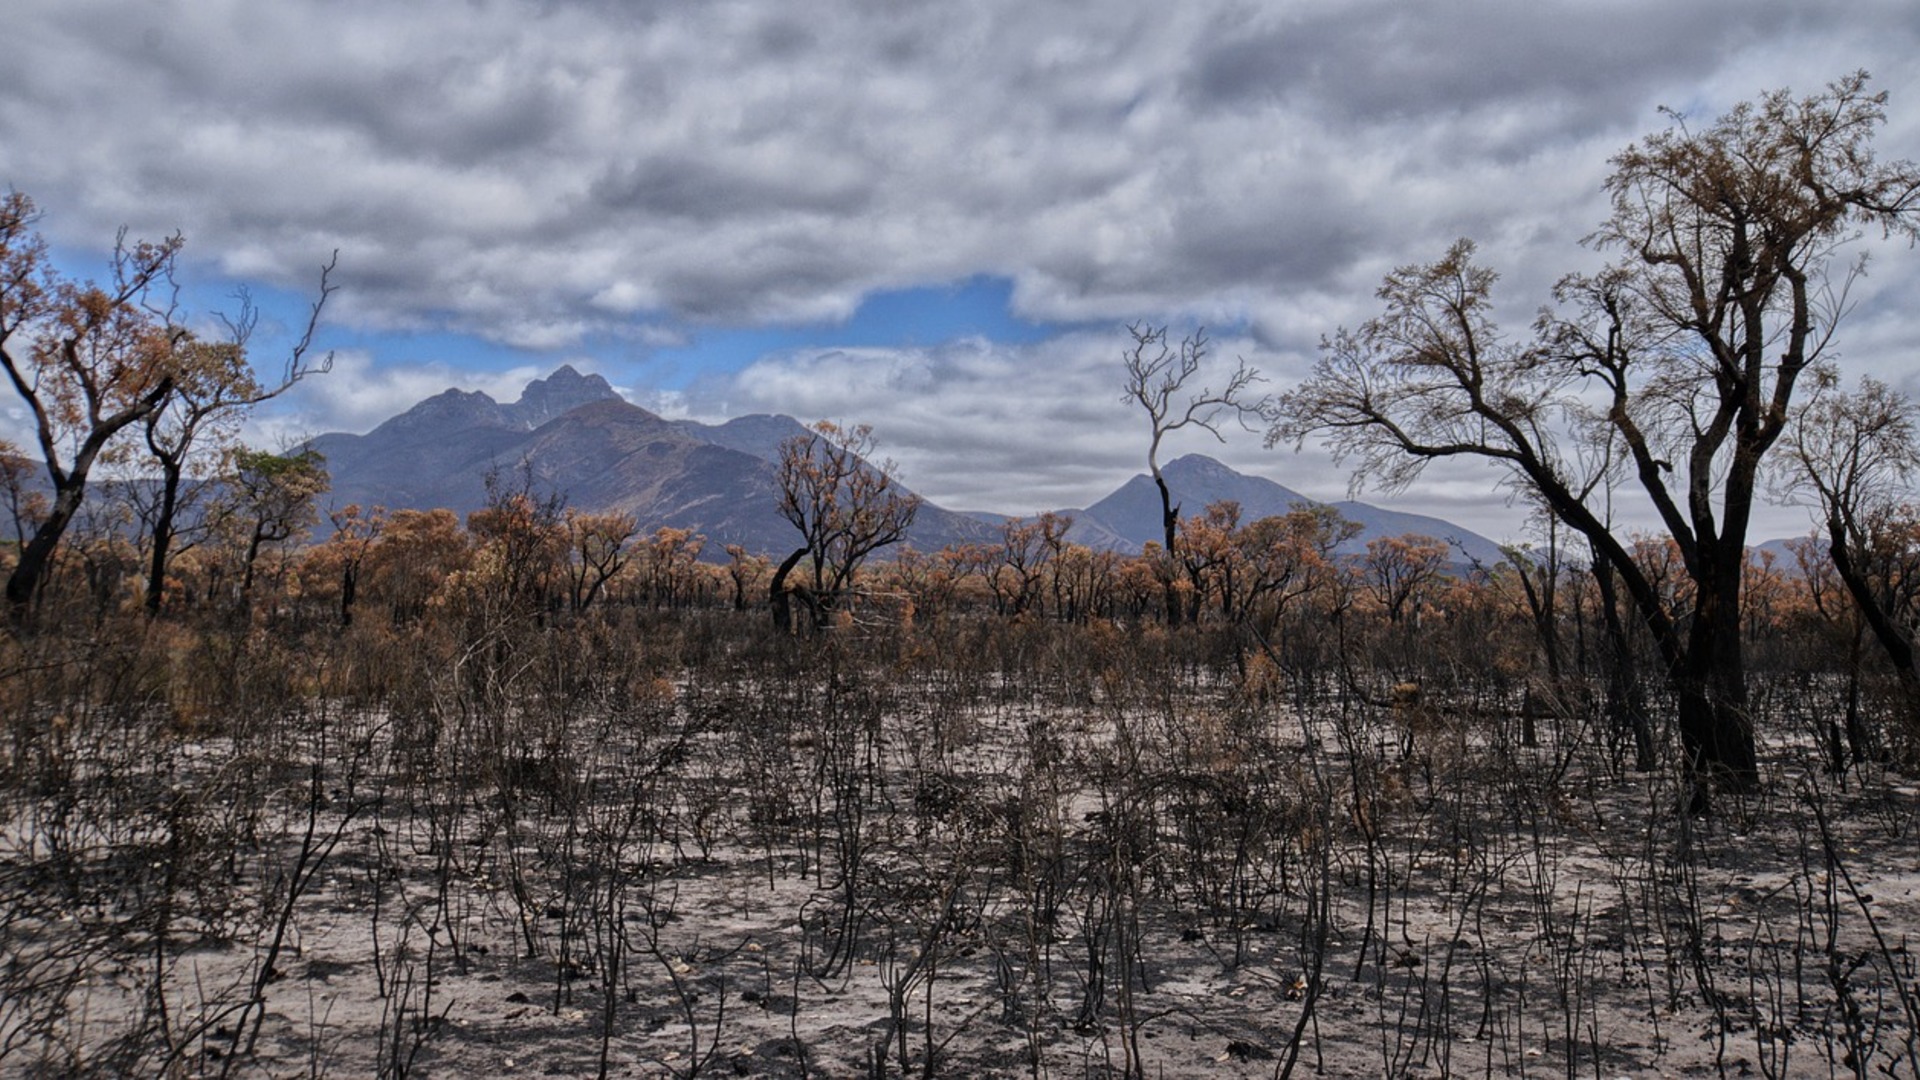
(861, 873)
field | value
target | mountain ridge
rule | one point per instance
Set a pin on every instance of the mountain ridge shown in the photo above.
(575, 435)
(1196, 481)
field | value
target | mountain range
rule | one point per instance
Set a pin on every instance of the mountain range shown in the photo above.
(575, 435)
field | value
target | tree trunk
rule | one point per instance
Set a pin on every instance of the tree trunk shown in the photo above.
(1716, 735)
(1716, 730)
(69, 488)
(819, 608)
(162, 535)
(1705, 665)
(349, 590)
(1170, 525)
(246, 570)
(36, 557)
(778, 596)
(1625, 707)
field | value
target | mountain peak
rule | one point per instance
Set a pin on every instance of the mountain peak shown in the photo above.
(1131, 514)
(1197, 465)
(449, 410)
(556, 395)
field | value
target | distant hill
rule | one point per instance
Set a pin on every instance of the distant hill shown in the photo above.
(1783, 557)
(1131, 515)
(1132, 512)
(581, 439)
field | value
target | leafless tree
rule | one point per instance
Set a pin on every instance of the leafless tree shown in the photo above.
(1157, 377)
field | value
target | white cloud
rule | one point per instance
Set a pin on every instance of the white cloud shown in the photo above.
(358, 394)
(978, 425)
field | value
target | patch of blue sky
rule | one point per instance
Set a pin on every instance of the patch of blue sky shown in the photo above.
(919, 317)
(203, 300)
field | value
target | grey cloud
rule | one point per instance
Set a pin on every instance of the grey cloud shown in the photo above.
(683, 186)
(1381, 60)
(559, 170)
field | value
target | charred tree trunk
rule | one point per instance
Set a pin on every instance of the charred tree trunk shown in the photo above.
(1716, 729)
(1170, 526)
(162, 535)
(36, 556)
(246, 570)
(1626, 707)
(70, 487)
(349, 591)
(778, 595)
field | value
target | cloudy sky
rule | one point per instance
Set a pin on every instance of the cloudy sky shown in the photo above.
(934, 218)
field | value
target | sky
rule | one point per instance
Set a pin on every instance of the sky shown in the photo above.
(937, 219)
